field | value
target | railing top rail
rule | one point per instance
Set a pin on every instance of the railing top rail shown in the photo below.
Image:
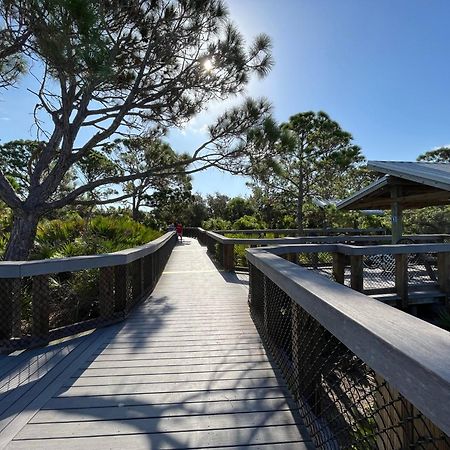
(18, 269)
(348, 249)
(412, 355)
(316, 239)
(306, 230)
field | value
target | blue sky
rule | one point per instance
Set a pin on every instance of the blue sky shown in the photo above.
(380, 68)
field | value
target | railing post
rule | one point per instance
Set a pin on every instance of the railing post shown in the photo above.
(6, 312)
(228, 257)
(443, 267)
(357, 275)
(137, 274)
(292, 257)
(120, 288)
(401, 279)
(106, 292)
(339, 267)
(314, 260)
(40, 306)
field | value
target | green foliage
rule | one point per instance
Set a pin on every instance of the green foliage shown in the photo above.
(72, 236)
(238, 207)
(247, 222)
(439, 155)
(312, 157)
(216, 223)
(434, 219)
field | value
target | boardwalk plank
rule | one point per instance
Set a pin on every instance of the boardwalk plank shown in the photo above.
(181, 440)
(169, 378)
(145, 388)
(157, 410)
(158, 398)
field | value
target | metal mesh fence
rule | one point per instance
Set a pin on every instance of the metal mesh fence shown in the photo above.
(35, 310)
(343, 402)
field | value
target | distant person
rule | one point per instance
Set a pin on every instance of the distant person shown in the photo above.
(179, 229)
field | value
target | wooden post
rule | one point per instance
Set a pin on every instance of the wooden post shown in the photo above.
(16, 299)
(106, 292)
(10, 307)
(443, 266)
(315, 260)
(339, 267)
(40, 306)
(120, 288)
(137, 270)
(147, 269)
(357, 275)
(396, 214)
(6, 296)
(401, 280)
(228, 257)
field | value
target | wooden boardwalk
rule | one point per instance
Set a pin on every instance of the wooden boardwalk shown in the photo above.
(186, 370)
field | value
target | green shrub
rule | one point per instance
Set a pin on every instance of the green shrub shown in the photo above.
(216, 223)
(249, 223)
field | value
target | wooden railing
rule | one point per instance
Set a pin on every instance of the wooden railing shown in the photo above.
(48, 299)
(286, 232)
(402, 275)
(364, 375)
(229, 251)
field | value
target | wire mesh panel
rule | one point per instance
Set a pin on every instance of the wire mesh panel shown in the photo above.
(343, 402)
(36, 309)
(379, 271)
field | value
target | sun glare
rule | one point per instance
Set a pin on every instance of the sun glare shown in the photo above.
(208, 65)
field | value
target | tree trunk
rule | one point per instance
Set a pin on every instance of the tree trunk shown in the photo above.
(300, 210)
(135, 210)
(22, 238)
(300, 200)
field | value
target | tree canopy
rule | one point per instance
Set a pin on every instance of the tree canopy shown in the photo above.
(311, 153)
(111, 69)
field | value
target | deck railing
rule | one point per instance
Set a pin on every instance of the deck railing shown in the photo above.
(402, 275)
(48, 299)
(364, 375)
(292, 232)
(230, 251)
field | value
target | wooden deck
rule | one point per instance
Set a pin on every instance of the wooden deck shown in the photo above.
(186, 370)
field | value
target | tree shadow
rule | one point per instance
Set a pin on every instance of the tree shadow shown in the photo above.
(150, 385)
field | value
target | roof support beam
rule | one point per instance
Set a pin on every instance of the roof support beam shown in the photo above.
(396, 213)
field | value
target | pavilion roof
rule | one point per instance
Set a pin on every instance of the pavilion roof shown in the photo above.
(421, 184)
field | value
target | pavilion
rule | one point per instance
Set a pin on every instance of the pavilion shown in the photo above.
(404, 185)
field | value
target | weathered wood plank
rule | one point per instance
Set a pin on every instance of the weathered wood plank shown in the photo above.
(176, 362)
(157, 398)
(200, 439)
(145, 388)
(157, 425)
(169, 378)
(161, 410)
(142, 354)
(155, 370)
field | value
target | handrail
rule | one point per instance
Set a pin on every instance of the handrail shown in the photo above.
(348, 249)
(18, 269)
(357, 231)
(315, 239)
(410, 354)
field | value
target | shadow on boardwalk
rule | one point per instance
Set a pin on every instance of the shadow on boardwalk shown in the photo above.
(186, 370)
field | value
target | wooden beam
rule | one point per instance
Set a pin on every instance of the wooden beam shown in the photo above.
(357, 275)
(401, 279)
(396, 214)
